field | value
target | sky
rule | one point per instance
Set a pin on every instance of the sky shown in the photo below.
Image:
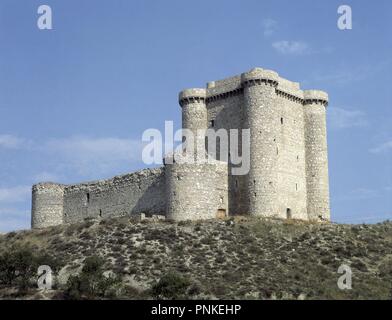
(75, 100)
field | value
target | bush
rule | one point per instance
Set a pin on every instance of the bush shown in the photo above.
(171, 286)
(91, 282)
(19, 265)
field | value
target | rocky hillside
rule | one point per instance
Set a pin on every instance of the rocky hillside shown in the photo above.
(240, 258)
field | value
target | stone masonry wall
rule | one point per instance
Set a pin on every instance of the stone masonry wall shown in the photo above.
(47, 205)
(225, 102)
(196, 191)
(290, 151)
(142, 191)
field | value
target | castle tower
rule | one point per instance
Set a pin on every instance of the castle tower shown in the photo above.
(199, 189)
(196, 191)
(315, 103)
(47, 205)
(260, 116)
(194, 116)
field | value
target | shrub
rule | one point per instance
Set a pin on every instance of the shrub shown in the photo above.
(171, 286)
(19, 265)
(91, 283)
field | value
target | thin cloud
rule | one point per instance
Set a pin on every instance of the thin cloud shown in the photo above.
(14, 194)
(269, 27)
(383, 147)
(94, 155)
(8, 141)
(292, 47)
(340, 118)
(343, 75)
(83, 155)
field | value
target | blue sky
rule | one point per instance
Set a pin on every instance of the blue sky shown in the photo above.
(75, 100)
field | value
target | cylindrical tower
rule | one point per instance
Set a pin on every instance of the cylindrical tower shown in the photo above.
(196, 191)
(194, 115)
(196, 187)
(315, 103)
(261, 117)
(47, 205)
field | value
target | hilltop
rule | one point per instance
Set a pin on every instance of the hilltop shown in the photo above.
(237, 258)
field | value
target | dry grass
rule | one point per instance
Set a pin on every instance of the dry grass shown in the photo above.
(235, 258)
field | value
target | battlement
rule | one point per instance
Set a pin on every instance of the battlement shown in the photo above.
(259, 76)
(194, 95)
(315, 97)
(290, 90)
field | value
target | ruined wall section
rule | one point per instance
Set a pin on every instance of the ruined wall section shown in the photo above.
(142, 191)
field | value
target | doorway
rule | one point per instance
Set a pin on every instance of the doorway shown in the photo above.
(221, 214)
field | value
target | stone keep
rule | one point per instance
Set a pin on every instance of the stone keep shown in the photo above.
(288, 176)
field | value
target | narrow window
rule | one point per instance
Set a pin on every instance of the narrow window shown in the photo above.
(88, 197)
(297, 157)
(281, 120)
(296, 186)
(100, 213)
(212, 123)
(288, 213)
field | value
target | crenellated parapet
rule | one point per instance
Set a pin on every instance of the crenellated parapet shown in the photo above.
(316, 97)
(258, 76)
(225, 95)
(192, 96)
(289, 96)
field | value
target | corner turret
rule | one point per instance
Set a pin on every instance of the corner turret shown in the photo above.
(47, 205)
(260, 116)
(317, 184)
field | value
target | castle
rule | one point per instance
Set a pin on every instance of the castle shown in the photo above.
(287, 178)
